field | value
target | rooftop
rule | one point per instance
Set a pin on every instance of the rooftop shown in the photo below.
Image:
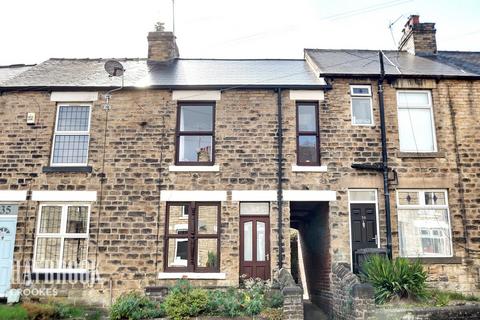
(82, 73)
(348, 62)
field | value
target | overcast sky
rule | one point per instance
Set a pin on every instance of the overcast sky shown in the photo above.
(33, 30)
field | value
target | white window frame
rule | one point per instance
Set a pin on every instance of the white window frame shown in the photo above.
(350, 219)
(363, 96)
(71, 133)
(432, 123)
(62, 235)
(423, 206)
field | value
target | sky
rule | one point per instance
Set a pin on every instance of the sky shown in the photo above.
(32, 31)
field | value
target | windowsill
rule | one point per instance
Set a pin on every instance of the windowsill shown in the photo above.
(438, 154)
(296, 168)
(192, 275)
(438, 260)
(80, 169)
(214, 168)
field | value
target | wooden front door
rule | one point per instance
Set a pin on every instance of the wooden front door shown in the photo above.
(255, 246)
(364, 227)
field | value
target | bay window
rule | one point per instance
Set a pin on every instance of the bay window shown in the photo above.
(424, 223)
(192, 237)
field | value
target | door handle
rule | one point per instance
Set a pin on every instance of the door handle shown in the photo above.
(267, 256)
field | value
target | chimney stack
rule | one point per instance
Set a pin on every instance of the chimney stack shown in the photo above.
(418, 38)
(161, 44)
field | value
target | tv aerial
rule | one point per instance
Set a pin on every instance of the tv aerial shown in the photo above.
(114, 69)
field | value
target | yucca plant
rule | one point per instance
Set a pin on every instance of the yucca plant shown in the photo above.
(398, 278)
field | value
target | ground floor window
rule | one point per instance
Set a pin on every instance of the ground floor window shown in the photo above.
(424, 223)
(61, 237)
(192, 239)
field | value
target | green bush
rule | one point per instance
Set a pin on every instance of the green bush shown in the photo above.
(15, 312)
(183, 301)
(135, 306)
(274, 299)
(398, 278)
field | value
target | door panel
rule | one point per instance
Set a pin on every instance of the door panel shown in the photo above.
(255, 247)
(364, 227)
(7, 243)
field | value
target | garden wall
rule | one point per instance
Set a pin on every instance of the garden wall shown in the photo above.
(292, 296)
(465, 312)
(351, 300)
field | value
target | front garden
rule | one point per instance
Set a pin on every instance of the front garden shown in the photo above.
(255, 299)
(400, 289)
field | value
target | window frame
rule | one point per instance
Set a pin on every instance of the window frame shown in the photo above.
(432, 117)
(56, 133)
(361, 96)
(315, 133)
(192, 237)
(423, 206)
(62, 235)
(179, 133)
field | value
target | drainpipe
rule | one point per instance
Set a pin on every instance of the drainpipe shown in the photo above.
(386, 192)
(280, 177)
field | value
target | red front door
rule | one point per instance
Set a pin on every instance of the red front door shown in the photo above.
(255, 246)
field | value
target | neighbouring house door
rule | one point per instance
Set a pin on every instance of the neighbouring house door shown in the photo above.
(255, 247)
(364, 227)
(7, 243)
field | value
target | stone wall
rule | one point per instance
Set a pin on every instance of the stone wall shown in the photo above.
(292, 296)
(465, 312)
(351, 300)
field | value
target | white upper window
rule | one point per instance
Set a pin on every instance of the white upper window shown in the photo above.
(72, 135)
(424, 223)
(61, 237)
(361, 104)
(416, 126)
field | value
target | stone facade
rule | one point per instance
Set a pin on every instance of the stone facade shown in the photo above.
(126, 237)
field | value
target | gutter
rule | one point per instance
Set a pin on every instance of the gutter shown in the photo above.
(401, 76)
(166, 87)
(280, 177)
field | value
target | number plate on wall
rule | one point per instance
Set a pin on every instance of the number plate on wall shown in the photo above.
(8, 209)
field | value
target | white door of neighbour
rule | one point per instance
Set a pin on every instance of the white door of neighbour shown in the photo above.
(8, 226)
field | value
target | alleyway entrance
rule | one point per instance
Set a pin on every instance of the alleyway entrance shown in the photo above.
(310, 252)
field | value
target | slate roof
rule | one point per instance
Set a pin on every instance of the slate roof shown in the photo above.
(456, 64)
(80, 73)
(9, 72)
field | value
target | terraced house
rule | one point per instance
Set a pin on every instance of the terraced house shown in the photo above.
(201, 168)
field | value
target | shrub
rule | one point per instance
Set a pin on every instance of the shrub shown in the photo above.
(183, 301)
(272, 314)
(135, 306)
(274, 299)
(398, 278)
(37, 311)
(15, 312)
(440, 299)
